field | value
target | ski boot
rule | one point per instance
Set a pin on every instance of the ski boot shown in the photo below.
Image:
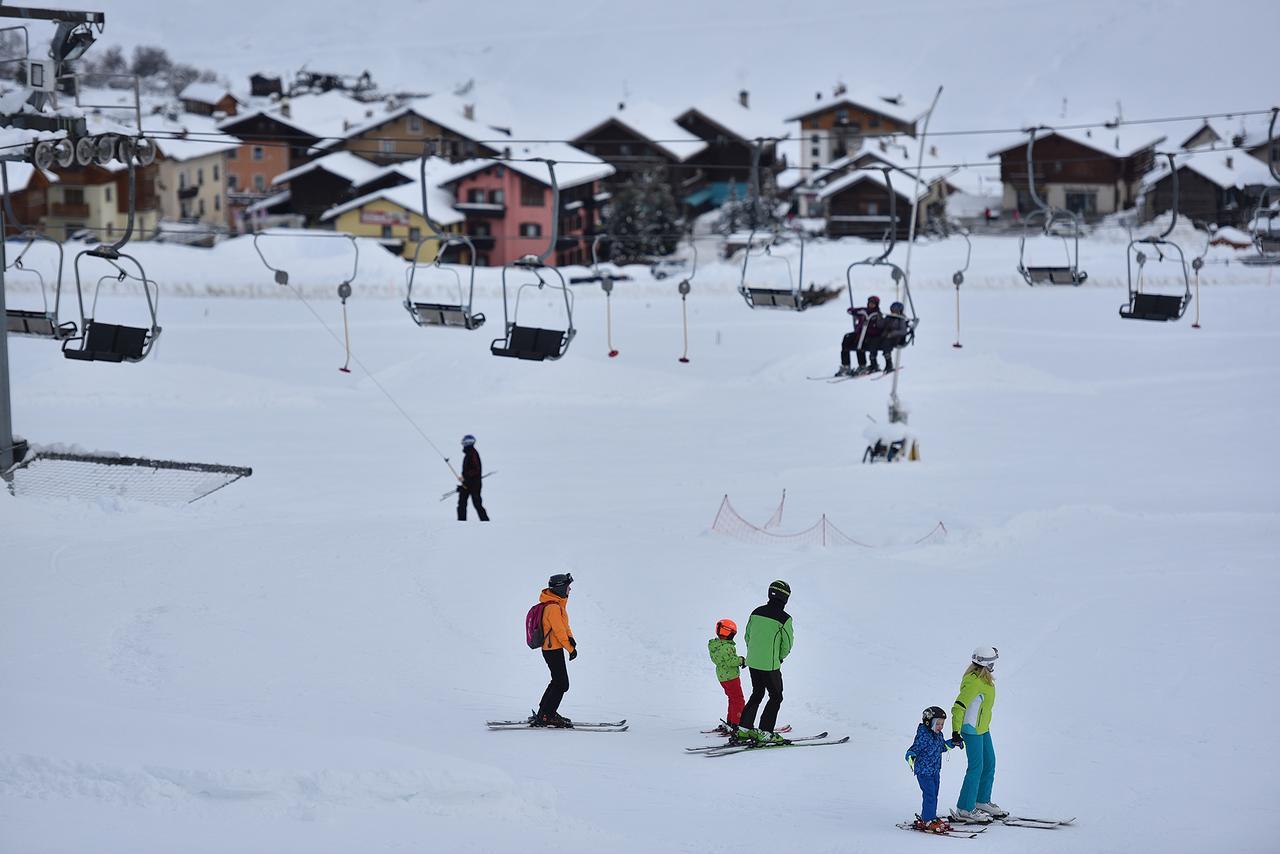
(993, 810)
(938, 825)
(561, 721)
(920, 825)
(723, 729)
(843, 371)
(741, 735)
(970, 816)
(765, 738)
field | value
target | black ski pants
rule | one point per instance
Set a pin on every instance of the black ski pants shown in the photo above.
(849, 344)
(763, 681)
(559, 685)
(471, 489)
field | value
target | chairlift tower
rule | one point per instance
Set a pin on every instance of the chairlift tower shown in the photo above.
(75, 33)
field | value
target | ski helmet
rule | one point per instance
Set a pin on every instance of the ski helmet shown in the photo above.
(726, 628)
(896, 308)
(780, 590)
(985, 656)
(468, 440)
(559, 583)
(932, 714)
(873, 300)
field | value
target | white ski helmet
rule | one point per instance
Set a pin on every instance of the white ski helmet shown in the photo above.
(985, 656)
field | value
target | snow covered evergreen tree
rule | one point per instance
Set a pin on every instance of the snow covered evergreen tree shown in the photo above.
(643, 220)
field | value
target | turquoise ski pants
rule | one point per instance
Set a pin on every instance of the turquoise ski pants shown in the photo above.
(981, 773)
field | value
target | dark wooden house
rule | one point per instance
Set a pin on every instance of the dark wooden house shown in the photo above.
(1214, 187)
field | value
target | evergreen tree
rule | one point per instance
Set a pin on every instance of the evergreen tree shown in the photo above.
(643, 221)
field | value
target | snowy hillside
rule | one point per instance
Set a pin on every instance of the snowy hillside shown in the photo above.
(304, 661)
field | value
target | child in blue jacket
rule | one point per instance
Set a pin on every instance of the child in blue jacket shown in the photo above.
(924, 757)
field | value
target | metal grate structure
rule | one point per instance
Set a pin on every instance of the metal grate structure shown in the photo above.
(53, 474)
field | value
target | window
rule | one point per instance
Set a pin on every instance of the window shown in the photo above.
(182, 180)
(259, 183)
(415, 234)
(815, 152)
(1083, 203)
(73, 195)
(111, 231)
(231, 182)
(873, 121)
(500, 171)
(531, 193)
(475, 195)
(873, 208)
(387, 146)
(216, 176)
(415, 124)
(624, 149)
(108, 189)
(1057, 166)
(200, 176)
(217, 202)
(386, 232)
(200, 210)
(481, 229)
(842, 116)
(482, 259)
(231, 154)
(530, 229)
(497, 197)
(258, 152)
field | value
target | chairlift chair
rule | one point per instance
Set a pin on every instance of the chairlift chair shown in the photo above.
(1050, 221)
(115, 342)
(896, 273)
(760, 296)
(457, 315)
(1268, 240)
(1142, 304)
(44, 323)
(532, 343)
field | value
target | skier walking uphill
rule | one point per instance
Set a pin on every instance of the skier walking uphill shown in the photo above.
(556, 638)
(770, 637)
(972, 715)
(472, 480)
(865, 334)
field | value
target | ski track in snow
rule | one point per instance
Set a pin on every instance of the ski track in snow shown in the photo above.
(304, 660)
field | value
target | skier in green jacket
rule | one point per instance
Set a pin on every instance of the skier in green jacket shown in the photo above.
(725, 656)
(770, 637)
(971, 720)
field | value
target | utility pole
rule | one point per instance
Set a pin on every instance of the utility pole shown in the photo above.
(7, 443)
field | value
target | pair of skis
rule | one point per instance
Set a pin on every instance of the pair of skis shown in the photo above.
(875, 375)
(819, 740)
(966, 830)
(527, 724)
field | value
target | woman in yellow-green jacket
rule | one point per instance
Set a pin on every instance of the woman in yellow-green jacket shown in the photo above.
(971, 720)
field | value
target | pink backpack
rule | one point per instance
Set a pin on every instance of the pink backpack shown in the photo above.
(533, 634)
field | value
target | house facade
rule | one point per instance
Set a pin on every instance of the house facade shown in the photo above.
(1091, 173)
(207, 99)
(833, 128)
(191, 179)
(1215, 187)
(96, 198)
(720, 168)
(394, 218)
(400, 134)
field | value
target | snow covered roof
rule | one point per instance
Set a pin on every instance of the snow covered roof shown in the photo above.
(573, 165)
(436, 109)
(740, 121)
(205, 93)
(409, 197)
(327, 115)
(266, 204)
(890, 105)
(1249, 130)
(655, 124)
(189, 138)
(345, 165)
(901, 186)
(1117, 142)
(20, 173)
(1222, 168)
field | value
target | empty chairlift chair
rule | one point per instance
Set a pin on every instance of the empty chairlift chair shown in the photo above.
(533, 343)
(1143, 304)
(755, 294)
(99, 341)
(1264, 227)
(1049, 222)
(45, 322)
(456, 315)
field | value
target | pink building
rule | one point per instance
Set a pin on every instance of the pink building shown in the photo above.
(507, 204)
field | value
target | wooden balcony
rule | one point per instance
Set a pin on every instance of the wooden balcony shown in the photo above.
(70, 210)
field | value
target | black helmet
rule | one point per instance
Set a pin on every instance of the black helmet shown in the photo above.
(559, 583)
(932, 714)
(780, 590)
(896, 308)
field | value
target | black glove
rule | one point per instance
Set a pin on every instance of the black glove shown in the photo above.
(957, 740)
(459, 488)
(573, 649)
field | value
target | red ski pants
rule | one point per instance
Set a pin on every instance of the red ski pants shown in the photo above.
(733, 690)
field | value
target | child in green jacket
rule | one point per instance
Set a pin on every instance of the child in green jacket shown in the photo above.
(725, 655)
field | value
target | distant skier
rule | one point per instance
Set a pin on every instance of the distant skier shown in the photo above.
(894, 332)
(866, 332)
(724, 653)
(972, 715)
(770, 637)
(472, 480)
(557, 637)
(924, 757)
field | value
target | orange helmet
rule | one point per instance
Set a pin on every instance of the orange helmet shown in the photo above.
(726, 628)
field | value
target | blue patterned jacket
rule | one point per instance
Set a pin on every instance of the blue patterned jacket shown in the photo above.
(927, 750)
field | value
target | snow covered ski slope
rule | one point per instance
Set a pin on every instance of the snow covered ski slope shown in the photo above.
(304, 661)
